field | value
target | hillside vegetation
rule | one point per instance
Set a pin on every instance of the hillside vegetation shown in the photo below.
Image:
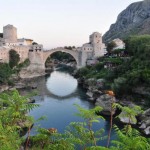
(125, 74)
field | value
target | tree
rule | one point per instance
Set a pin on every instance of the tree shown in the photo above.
(110, 46)
(13, 110)
(34, 43)
(14, 58)
(5, 72)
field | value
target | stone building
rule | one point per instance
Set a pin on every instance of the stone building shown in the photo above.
(8, 41)
(93, 49)
(119, 44)
(36, 47)
(97, 44)
(24, 41)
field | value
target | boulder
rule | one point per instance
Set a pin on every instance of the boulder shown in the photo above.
(143, 126)
(123, 116)
(91, 82)
(19, 85)
(89, 94)
(147, 131)
(100, 83)
(105, 102)
(126, 120)
(145, 121)
(3, 88)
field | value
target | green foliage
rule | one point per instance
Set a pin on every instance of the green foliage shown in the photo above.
(136, 45)
(24, 64)
(130, 139)
(116, 61)
(16, 107)
(34, 43)
(89, 116)
(78, 135)
(13, 109)
(110, 46)
(14, 58)
(5, 73)
(9, 138)
(119, 86)
(99, 66)
(117, 51)
(81, 133)
(69, 47)
(129, 112)
(97, 71)
(83, 71)
(61, 56)
(18, 68)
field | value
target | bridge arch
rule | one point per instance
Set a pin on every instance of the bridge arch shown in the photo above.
(74, 54)
(38, 58)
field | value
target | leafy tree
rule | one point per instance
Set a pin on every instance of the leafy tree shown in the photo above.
(34, 43)
(14, 58)
(69, 47)
(5, 73)
(119, 86)
(90, 117)
(129, 139)
(111, 46)
(13, 108)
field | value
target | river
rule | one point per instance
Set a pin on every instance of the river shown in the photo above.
(58, 92)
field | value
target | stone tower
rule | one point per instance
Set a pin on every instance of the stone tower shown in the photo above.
(10, 34)
(96, 41)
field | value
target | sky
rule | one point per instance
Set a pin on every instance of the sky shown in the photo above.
(58, 23)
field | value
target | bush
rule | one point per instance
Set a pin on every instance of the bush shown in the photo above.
(14, 58)
(5, 72)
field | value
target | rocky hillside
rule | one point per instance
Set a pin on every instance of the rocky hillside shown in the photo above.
(134, 20)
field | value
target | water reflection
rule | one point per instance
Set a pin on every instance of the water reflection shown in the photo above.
(61, 84)
(57, 94)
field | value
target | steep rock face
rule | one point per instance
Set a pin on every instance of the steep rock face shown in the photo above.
(135, 19)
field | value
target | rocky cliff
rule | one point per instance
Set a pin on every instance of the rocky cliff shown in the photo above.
(134, 20)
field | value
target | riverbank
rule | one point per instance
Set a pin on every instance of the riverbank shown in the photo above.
(23, 80)
(96, 92)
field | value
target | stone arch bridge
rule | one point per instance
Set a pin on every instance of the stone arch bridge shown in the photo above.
(38, 58)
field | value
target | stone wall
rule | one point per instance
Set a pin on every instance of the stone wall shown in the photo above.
(23, 52)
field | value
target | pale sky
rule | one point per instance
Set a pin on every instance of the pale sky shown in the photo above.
(56, 23)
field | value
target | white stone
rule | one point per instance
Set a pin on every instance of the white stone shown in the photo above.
(143, 126)
(90, 94)
(147, 131)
